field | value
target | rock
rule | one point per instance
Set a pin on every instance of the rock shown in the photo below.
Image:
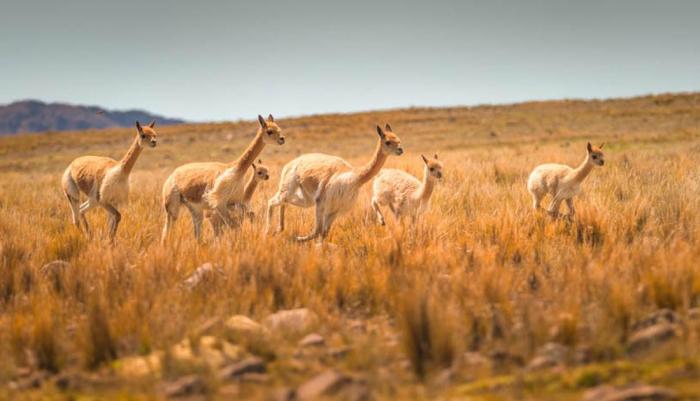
(548, 356)
(292, 321)
(210, 353)
(284, 394)
(203, 273)
(694, 314)
(236, 370)
(338, 352)
(324, 384)
(505, 358)
(240, 326)
(312, 340)
(542, 362)
(184, 386)
(475, 359)
(651, 336)
(34, 380)
(139, 366)
(639, 392)
(655, 318)
(182, 351)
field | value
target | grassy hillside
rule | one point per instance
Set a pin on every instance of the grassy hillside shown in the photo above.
(458, 307)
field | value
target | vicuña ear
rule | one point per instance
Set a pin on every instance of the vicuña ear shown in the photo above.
(380, 132)
(261, 120)
(270, 118)
(601, 145)
(138, 126)
(152, 124)
(253, 165)
(425, 159)
(388, 128)
(435, 156)
(259, 161)
(589, 147)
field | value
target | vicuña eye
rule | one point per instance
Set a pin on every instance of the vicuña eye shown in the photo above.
(388, 143)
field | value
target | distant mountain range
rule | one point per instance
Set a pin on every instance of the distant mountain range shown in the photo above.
(36, 116)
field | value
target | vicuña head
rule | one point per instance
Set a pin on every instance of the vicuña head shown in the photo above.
(391, 144)
(260, 171)
(271, 131)
(146, 135)
(596, 154)
(434, 166)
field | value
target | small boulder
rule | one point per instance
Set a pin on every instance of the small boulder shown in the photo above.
(694, 314)
(184, 386)
(203, 273)
(134, 367)
(312, 340)
(638, 392)
(292, 321)
(240, 326)
(246, 366)
(650, 336)
(182, 352)
(655, 318)
(324, 384)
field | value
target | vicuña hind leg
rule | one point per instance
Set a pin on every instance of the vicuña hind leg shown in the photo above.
(84, 208)
(275, 201)
(114, 218)
(378, 211)
(318, 224)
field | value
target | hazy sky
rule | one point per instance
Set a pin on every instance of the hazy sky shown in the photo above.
(225, 60)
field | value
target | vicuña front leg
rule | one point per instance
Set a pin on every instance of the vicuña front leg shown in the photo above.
(378, 211)
(570, 206)
(554, 206)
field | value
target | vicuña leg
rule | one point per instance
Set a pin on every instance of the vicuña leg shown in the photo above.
(197, 217)
(114, 219)
(84, 208)
(318, 224)
(378, 211)
(274, 202)
(554, 206)
(570, 206)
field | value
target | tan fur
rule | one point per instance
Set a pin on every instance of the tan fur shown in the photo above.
(403, 193)
(329, 183)
(212, 185)
(261, 173)
(104, 181)
(562, 181)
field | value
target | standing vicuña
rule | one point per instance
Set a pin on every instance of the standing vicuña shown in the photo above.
(562, 181)
(212, 185)
(328, 182)
(402, 192)
(260, 173)
(105, 181)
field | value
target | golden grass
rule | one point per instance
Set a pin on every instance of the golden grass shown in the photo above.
(481, 271)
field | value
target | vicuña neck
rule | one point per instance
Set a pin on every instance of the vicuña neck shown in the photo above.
(130, 157)
(427, 186)
(581, 172)
(365, 173)
(250, 188)
(253, 150)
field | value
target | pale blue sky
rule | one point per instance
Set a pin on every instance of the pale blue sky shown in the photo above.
(225, 60)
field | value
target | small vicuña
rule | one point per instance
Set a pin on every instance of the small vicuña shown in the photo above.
(562, 181)
(402, 192)
(245, 208)
(105, 181)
